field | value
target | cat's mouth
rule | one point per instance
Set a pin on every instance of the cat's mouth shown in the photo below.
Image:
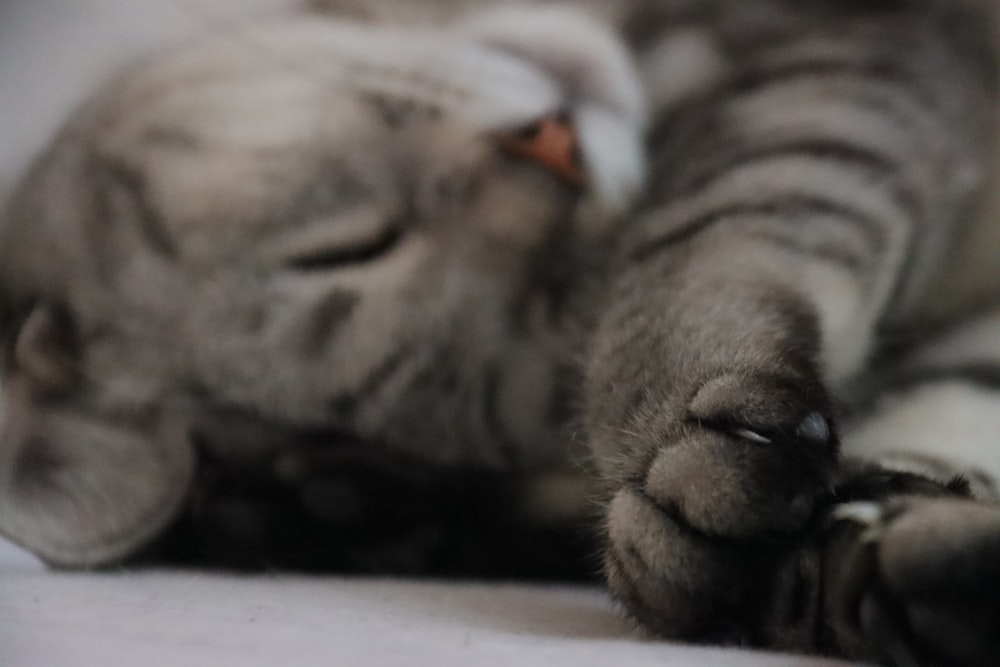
(552, 144)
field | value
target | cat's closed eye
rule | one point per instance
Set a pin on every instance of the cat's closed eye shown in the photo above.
(350, 240)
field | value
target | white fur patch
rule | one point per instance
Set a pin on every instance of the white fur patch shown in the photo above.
(845, 319)
(974, 342)
(599, 86)
(681, 64)
(948, 420)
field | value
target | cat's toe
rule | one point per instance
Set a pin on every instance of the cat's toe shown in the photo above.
(678, 582)
(917, 583)
(702, 537)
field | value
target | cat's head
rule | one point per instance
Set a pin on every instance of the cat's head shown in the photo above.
(319, 222)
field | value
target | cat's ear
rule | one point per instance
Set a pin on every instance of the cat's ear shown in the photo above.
(44, 351)
(582, 74)
(80, 485)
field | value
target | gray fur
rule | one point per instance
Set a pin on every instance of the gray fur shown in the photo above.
(229, 254)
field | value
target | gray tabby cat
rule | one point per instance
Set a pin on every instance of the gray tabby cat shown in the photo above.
(292, 293)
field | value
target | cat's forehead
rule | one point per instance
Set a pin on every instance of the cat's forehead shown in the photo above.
(497, 73)
(446, 69)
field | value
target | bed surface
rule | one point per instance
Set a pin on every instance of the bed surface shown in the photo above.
(182, 619)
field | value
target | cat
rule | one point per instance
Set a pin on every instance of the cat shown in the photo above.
(428, 286)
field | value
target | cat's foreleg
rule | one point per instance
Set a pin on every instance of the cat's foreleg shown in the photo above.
(798, 211)
(911, 578)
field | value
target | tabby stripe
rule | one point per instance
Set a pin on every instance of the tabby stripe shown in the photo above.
(791, 205)
(645, 30)
(150, 224)
(170, 137)
(491, 413)
(849, 155)
(886, 75)
(718, 114)
(564, 399)
(818, 176)
(98, 229)
(878, 92)
(323, 322)
(346, 404)
(841, 128)
(837, 120)
(792, 242)
(984, 375)
(955, 478)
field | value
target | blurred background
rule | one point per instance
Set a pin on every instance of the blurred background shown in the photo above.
(54, 52)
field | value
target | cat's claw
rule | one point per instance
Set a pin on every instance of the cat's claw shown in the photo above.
(915, 581)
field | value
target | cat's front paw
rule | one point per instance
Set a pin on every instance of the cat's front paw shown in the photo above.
(915, 582)
(700, 531)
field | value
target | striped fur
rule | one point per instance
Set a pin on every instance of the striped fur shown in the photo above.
(281, 299)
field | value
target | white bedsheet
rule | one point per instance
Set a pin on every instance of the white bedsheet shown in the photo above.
(187, 619)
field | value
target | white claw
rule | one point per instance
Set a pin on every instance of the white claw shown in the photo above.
(867, 514)
(752, 436)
